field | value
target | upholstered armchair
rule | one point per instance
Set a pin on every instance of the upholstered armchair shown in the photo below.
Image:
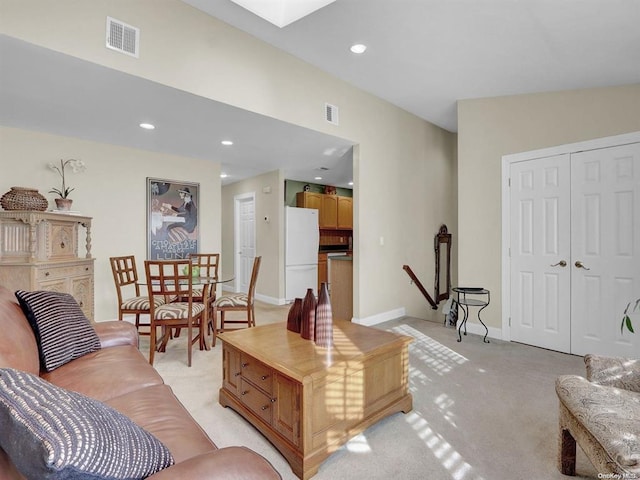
(601, 413)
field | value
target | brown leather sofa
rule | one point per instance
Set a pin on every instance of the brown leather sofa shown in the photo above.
(120, 376)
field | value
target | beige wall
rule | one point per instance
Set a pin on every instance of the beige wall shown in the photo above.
(404, 169)
(492, 127)
(112, 190)
(269, 240)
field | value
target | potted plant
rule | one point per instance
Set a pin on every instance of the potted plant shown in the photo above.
(63, 202)
(626, 319)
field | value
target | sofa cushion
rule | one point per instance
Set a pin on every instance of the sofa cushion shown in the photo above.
(158, 411)
(50, 432)
(106, 373)
(610, 414)
(61, 328)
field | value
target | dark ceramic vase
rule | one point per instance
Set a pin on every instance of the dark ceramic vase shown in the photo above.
(308, 327)
(294, 320)
(324, 319)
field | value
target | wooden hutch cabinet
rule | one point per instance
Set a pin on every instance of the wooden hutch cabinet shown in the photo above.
(39, 251)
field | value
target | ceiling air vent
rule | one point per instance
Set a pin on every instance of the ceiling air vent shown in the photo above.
(122, 37)
(331, 113)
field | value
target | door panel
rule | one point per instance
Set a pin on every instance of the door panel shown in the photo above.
(606, 240)
(245, 241)
(540, 239)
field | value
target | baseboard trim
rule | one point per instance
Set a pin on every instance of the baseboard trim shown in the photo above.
(380, 317)
(478, 329)
(270, 300)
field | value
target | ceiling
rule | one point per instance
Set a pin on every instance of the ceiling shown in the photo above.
(51, 92)
(425, 55)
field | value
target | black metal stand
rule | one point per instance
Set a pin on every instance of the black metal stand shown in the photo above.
(468, 297)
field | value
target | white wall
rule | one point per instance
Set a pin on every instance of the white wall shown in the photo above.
(112, 190)
(269, 236)
(404, 169)
(489, 128)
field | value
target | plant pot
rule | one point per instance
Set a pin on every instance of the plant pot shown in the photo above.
(63, 204)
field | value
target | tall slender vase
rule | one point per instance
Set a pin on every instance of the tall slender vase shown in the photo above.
(324, 319)
(294, 320)
(308, 328)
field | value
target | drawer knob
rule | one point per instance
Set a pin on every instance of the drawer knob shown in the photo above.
(264, 377)
(46, 274)
(237, 374)
(86, 269)
(62, 245)
(273, 400)
(81, 303)
(244, 393)
(245, 365)
(264, 407)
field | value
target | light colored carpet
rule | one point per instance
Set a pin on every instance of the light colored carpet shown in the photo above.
(481, 411)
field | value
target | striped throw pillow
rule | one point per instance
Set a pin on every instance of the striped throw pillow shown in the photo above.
(62, 331)
(50, 432)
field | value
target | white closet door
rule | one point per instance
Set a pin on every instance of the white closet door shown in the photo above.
(540, 242)
(605, 225)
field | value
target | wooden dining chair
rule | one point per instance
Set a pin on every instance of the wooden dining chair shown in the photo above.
(130, 301)
(238, 302)
(173, 279)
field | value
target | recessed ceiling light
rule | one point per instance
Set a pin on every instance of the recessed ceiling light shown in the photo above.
(358, 48)
(223, 175)
(226, 143)
(318, 178)
(147, 126)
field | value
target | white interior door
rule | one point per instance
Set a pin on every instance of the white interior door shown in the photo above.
(582, 209)
(245, 240)
(540, 252)
(605, 251)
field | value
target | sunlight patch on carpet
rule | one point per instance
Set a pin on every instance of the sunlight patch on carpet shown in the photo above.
(441, 449)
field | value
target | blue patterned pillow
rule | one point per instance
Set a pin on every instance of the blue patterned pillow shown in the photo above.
(53, 433)
(61, 328)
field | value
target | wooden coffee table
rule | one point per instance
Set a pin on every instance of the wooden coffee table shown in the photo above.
(308, 401)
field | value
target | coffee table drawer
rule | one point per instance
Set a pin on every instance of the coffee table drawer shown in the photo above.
(257, 372)
(256, 401)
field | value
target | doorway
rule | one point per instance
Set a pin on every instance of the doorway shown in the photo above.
(244, 221)
(573, 248)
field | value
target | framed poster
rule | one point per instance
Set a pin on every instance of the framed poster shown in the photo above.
(172, 219)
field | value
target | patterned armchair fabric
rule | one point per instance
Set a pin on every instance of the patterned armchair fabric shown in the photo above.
(614, 372)
(601, 414)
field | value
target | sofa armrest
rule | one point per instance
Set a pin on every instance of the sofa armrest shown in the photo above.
(116, 332)
(231, 463)
(616, 372)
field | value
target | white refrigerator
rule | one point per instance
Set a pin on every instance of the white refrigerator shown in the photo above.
(302, 239)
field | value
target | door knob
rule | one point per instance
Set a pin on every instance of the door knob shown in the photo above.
(580, 265)
(562, 263)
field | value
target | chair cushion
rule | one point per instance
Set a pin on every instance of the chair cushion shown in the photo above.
(62, 331)
(50, 432)
(232, 300)
(141, 303)
(177, 310)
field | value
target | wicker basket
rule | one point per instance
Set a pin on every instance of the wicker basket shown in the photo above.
(21, 198)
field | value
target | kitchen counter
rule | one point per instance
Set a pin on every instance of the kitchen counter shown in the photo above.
(341, 286)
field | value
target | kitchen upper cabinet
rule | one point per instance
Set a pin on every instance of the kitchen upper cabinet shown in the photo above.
(335, 212)
(309, 200)
(345, 213)
(329, 212)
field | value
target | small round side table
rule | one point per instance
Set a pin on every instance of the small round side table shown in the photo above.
(472, 297)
